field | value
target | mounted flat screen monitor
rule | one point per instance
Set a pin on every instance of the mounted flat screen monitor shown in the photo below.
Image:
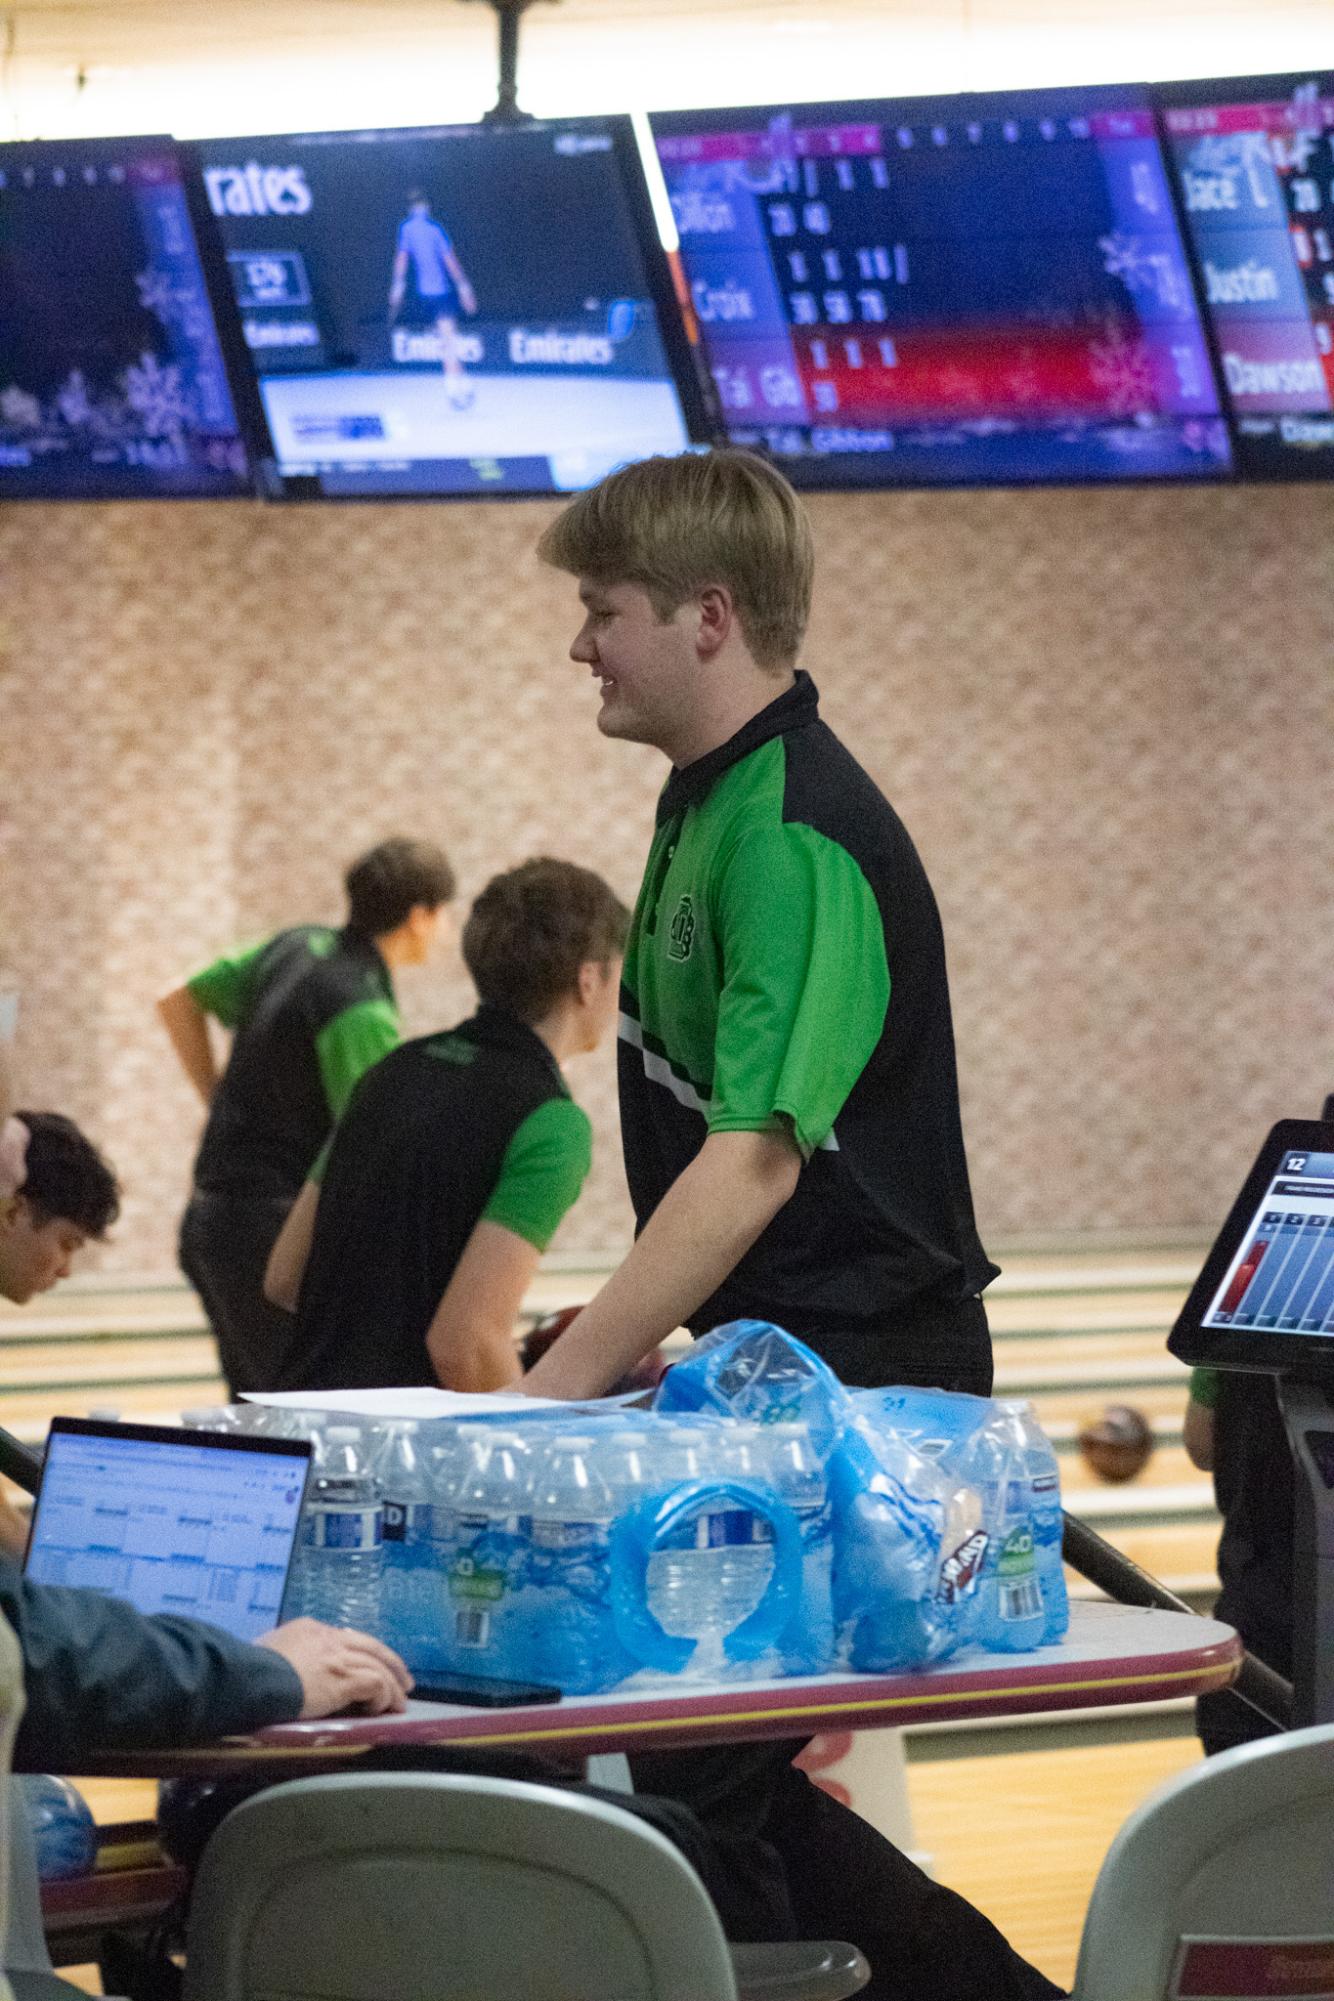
(1265, 1298)
(113, 383)
(946, 291)
(1253, 160)
(468, 310)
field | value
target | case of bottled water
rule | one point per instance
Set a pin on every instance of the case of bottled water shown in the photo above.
(893, 1607)
(760, 1520)
(706, 1567)
(751, 1369)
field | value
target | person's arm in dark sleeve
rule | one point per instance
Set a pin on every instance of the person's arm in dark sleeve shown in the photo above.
(99, 1676)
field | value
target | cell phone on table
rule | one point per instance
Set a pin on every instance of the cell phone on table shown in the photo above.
(483, 1691)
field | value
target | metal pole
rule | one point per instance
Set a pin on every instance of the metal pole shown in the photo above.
(505, 110)
(1085, 1551)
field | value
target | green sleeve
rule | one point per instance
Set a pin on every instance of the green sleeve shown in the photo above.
(1205, 1385)
(350, 1044)
(223, 988)
(805, 984)
(543, 1170)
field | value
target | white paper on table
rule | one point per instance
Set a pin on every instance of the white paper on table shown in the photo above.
(425, 1402)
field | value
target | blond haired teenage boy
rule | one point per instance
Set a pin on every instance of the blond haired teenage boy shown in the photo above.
(789, 1102)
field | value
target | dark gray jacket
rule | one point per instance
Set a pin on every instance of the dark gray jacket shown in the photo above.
(99, 1676)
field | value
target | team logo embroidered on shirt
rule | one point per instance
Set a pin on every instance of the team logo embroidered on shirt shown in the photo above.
(681, 936)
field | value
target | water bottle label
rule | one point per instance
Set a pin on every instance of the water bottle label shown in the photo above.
(731, 1528)
(470, 1579)
(1046, 1483)
(559, 1537)
(1016, 1553)
(345, 1528)
(407, 1521)
(1019, 1599)
(1015, 1497)
(472, 1627)
(961, 1568)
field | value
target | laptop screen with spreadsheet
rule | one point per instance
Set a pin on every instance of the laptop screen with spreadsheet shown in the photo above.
(197, 1523)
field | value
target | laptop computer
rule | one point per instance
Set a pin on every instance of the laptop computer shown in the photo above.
(199, 1523)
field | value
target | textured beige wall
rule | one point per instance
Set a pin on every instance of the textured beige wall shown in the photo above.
(1106, 717)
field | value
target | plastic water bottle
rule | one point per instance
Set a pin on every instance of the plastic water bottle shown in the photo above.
(807, 1643)
(489, 1558)
(298, 1599)
(408, 1620)
(343, 1546)
(1010, 1618)
(1044, 1475)
(711, 1567)
(569, 1623)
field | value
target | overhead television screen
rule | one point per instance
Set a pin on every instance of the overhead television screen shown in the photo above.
(113, 382)
(932, 291)
(1253, 160)
(455, 311)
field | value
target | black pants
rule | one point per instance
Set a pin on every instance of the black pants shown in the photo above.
(224, 1250)
(800, 1864)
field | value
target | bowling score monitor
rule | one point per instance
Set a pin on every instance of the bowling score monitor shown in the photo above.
(457, 311)
(1251, 162)
(1265, 1298)
(981, 289)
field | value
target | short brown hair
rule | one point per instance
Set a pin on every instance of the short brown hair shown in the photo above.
(68, 1181)
(388, 882)
(532, 928)
(673, 525)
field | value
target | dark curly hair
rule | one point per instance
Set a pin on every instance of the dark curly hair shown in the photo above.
(67, 1178)
(532, 928)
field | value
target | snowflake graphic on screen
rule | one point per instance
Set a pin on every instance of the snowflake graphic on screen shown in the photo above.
(168, 302)
(1122, 370)
(18, 410)
(1142, 270)
(73, 402)
(158, 397)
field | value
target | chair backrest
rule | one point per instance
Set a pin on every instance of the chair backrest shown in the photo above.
(408, 1886)
(1222, 1882)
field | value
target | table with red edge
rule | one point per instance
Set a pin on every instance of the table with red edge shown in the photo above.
(1113, 1655)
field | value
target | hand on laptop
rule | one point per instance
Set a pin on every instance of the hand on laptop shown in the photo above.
(339, 1668)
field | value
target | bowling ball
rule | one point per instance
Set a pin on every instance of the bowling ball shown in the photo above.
(644, 1376)
(1119, 1444)
(63, 1831)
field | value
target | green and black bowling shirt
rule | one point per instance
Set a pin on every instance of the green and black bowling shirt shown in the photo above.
(450, 1130)
(311, 1010)
(786, 967)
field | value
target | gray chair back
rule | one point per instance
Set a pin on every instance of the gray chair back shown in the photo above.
(409, 1886)
(1227, 1870)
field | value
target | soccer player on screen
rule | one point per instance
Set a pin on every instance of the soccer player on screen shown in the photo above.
(440, 285)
